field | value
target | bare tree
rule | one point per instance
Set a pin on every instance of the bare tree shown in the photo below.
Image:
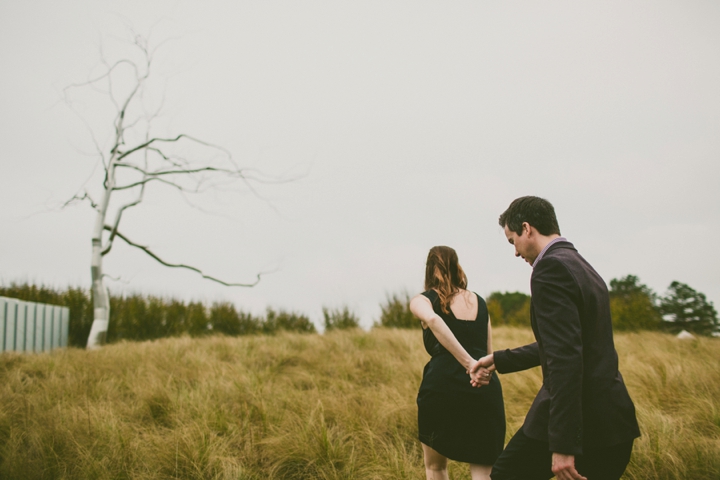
(135, 160)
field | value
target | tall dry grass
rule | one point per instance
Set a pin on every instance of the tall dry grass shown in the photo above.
(293, 406)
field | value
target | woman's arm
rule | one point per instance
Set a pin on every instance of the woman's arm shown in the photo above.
(421, 307)
(489, 349)
(481, 371)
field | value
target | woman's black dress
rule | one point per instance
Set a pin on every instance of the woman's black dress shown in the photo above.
(460, 421)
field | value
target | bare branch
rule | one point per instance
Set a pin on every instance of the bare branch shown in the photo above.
(149, 117)
(107, 73)
(161, 180)
(118, 216)
(158, 173)
(76, 198)
(132, 124)
(90, 131)
(171, 140)
(119, 129)
(115, 279)
(180, 265)
(173, 160)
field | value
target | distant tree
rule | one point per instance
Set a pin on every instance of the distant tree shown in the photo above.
(339, 319)
(176, 318)
(683, 308)
(81, 315)
(137, 158)
(495, 312)
(288, 321)
(224, 318)
(395, 313)
(520, 317)
(509, 308)
(197, 319)
(633, 305)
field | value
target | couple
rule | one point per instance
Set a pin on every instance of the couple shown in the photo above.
(582, 422)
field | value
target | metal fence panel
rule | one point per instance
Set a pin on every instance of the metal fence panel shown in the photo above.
(20, 321)
(39, 327)
(64, 327)
(10, 320)
(3, 308)
(57, 323)
(29, 326)
(47, 338)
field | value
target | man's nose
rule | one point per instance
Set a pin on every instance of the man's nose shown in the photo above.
(517, 254)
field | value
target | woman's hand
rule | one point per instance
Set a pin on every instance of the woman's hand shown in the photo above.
(480, 378)
(481, 371)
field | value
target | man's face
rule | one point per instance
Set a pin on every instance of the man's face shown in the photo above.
(524, 246)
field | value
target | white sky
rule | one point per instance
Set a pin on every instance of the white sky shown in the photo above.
(409, 123)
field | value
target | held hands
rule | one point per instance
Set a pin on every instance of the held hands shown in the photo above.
(563, 466)
(481, 372)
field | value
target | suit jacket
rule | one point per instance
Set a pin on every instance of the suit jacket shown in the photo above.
(583, 400)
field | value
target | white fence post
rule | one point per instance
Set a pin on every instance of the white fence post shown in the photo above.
(20, 321)
(32, 327)
(39, 327)
(3, 315)
(10, 321)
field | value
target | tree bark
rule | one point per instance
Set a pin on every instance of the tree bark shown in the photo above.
(101, 301)
(100, 296)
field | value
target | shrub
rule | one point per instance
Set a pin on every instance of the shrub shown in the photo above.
(288, 321)
(196, 321)
(395, 313)
(632, 305)
(686, 309)
(224, 318)
(509, 308)
(339, 319)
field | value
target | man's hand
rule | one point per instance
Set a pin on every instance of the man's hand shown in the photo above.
(563, 466)
(481, 371)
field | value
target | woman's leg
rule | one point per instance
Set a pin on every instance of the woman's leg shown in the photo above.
(480, 472)
(435, 464)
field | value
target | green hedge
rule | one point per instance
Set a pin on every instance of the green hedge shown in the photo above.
(139, 317)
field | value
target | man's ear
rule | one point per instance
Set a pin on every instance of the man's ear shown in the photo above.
(526, 228)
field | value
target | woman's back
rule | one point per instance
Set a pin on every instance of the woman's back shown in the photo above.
(467, 318)
(464, 305)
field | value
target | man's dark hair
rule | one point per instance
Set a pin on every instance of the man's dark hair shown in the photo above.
(536, 211)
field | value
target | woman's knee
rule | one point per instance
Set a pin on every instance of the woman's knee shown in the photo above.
(436, 463)
(436, 466)
(433, 460)
(480, 472)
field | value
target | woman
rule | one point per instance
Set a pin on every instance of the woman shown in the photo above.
(456, 420)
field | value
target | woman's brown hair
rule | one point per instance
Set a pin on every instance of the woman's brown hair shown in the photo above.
(444, 275)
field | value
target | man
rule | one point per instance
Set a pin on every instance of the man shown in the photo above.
(582, 422)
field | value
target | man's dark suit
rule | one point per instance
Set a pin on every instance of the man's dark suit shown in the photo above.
(583, 402)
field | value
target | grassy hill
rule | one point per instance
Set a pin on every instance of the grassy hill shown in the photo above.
(294, 406)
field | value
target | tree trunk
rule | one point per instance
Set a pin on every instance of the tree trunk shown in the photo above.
(101, 299)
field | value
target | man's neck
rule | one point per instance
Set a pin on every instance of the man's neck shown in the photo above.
(543, 240)
(546, 241)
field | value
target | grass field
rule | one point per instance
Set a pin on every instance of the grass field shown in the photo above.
(295, 406)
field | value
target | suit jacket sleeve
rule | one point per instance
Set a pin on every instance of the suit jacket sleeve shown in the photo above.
(556, 299)
(521, 358)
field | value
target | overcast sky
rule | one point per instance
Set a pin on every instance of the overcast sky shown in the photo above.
(404, 124)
